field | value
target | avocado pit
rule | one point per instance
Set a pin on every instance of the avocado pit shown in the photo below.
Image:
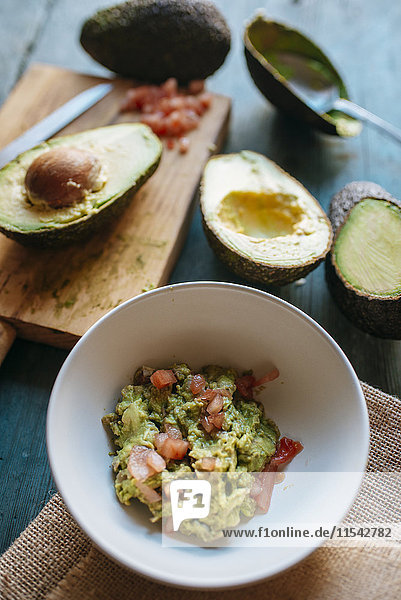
(63, 176)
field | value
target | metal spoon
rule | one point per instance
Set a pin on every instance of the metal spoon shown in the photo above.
(322, 94)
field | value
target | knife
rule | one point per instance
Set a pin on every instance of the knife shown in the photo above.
(54, 122)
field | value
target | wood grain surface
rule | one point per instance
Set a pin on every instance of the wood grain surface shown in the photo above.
(363, 38)
(54, 296)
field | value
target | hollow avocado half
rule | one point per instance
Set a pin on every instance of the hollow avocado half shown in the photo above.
(152, 40)
(266, 43)
(363, 270)
(261, 222)
(127, 155)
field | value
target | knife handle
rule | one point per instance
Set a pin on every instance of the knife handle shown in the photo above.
(7, 337)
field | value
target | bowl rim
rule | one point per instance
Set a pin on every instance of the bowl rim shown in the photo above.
(150, 572)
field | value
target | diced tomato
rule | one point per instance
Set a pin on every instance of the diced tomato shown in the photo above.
(263, 485)
(245, 385)
(144, 462)
(215, 405)
(155, 461)
(286, 450)
(170, 87)
(208, 463)
(149, 493)
(176, 103)
(160, 438)
(207, 424)
(205, 99)
(193, 103)
(173, 432)
(273, 374)
(266, 480)
(156, 122)
(217, 420)
(148, 108)
(190, 120)
(163, 378)
(196, 86)
(170, 143)
(173, 449)
(198, 384)
(223, 392)
(207, 395)
(174, 124)
(170, 444)
(168, 111)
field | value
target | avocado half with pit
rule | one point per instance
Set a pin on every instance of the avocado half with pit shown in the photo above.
(261, 222)
(363, 269)
(68, 187)
(275, 54)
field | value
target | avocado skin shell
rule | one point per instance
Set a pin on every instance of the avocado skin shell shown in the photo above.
(275, 89)
(350, 195)
(124, 39)
(283, 98)
(378, 316)
(254, 271)
(257, 272)
(82, 229)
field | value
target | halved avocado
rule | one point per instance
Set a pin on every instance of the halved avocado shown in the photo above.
(363, 269)
(272, 50)
(35, 208)
(261, 221)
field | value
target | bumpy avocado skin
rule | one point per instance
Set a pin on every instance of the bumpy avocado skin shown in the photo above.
(350, 195)
(152, 40)
(378, 316)
(274, 87)
(256, 272)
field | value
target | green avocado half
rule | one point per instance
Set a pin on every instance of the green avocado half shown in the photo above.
(261, 221)
(152, 40)
(127, 154)
(272, 51)
(363, 269)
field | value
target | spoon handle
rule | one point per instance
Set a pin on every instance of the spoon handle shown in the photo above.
(354, 110)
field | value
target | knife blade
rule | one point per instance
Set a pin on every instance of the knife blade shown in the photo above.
(54, 122)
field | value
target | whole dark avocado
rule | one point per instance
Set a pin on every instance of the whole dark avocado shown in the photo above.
(152, 40)
(274, 52)
(363, 269)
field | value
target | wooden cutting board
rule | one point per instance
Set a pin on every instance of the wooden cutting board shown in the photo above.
(55, 296)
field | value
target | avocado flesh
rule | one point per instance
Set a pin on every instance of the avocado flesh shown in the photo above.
(367, 250)
(128, 153)
(262, 217)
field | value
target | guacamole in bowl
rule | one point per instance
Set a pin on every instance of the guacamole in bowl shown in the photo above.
(179, 421)
(317, 398)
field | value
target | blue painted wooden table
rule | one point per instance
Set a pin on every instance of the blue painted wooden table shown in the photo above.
(363, 39)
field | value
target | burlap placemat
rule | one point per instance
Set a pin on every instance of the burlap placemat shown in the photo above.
(54, 560)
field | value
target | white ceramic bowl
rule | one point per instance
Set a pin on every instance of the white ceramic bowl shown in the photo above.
(317, 399)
